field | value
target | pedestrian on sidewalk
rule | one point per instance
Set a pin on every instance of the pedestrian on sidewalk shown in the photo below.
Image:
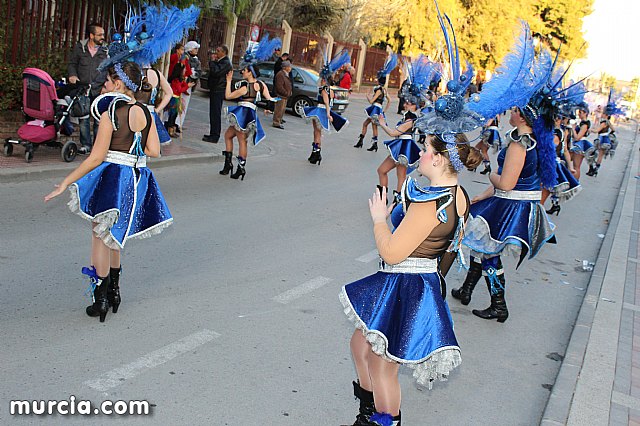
(277, 67)
(179, 86)
(219, 66)
(82, 69)
(508, 216)
(196, 71)
(283, 90)
(243, 119)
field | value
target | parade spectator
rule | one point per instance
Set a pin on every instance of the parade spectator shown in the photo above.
(345, 79)
(283, 89)
(219, 66)
(179, 55)
(82, 68)
(196, 71)
(179, 85)
(277, 67)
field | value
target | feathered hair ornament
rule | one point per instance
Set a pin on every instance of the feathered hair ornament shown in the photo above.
(420, 73)
(451, 114)
(148, 33)
(389, 65)
(612, 107)
(259, 52)
(330, 67)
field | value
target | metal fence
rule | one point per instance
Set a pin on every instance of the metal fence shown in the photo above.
(210, 34)
(38, 27)
(306, 49)
(373, 63)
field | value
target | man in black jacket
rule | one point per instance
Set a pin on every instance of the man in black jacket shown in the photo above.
(83, 69)
(219, 66)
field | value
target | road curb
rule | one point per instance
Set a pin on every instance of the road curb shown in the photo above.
(61, 170)
(558, 406)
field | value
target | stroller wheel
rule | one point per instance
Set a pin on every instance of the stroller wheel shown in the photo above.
(69, 151)
(8, 149)
(28, 156)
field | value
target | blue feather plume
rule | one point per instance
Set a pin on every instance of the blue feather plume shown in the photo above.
(389, 65)
(266, 47)
(546, 153)
(339, 60)
(513, 83)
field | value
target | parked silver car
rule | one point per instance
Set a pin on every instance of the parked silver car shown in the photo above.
(305, 87)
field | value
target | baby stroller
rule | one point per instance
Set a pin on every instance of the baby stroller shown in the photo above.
(46, 115)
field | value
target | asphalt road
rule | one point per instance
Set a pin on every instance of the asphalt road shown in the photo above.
(231, 317)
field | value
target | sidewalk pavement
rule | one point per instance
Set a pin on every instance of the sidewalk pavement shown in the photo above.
(47, 161)
(599, 380)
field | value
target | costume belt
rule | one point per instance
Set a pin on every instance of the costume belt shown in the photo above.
(122, 158)
(405, 137)
(411, 265)
(323, 106)
(377, 104)
(493, 128)
(518, 195)
(247, 104)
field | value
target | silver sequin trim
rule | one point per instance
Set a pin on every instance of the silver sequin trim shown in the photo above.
(411, 265)
(518, 195)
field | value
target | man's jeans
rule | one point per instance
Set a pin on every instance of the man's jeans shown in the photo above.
(85, 132)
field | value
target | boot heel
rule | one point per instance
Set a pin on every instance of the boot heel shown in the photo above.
(115, 307)
(502, 319)
(103, 316)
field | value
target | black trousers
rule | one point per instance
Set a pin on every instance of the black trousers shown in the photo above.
(215, 114)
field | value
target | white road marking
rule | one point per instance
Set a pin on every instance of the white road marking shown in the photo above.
(366, 258)
(117, 376)
(301, 290)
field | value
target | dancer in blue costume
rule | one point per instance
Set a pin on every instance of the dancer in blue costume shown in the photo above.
(400, 314)
(321, 115)
(605, 128)
(580, 146)
(404, 151)
(376, 99)
(243, 118)
(113, 188)
(508, 216)
(490, 138)
(566, 186)
(147, 95)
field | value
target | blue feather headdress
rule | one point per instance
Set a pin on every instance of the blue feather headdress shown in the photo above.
(420, 73)
(612, 107)
(261, 51)
(148, 33)
(451, 114)
(330, 67)
(389, 65)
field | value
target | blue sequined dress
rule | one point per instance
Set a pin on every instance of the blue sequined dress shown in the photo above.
(244, 116)
(404, 150)
(604, 141)
(400, 309)
(582, 146)
(318, 113)
(374, 111)
(121, 196)
(511, 221)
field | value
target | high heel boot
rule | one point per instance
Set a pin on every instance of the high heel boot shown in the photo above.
(374, 145)
(360, 141)
(498, 308)
(555, 208)
(228, 165)
(113, 291)
(240, 171)
(100, 305)
(463, 294)
(487, 169)
(367, 407)
(316, 156)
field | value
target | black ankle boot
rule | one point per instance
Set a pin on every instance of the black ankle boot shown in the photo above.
(487, 169)
(100, 305)
(591, 170)
(360, 141)
(240, 171)
(397, 198)
(374, 146)
(385, 419)
(316, 156)
(498, 308)
(463, 294)
(113, 291)
(555, 208)
(228, 165)
(367, 408)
